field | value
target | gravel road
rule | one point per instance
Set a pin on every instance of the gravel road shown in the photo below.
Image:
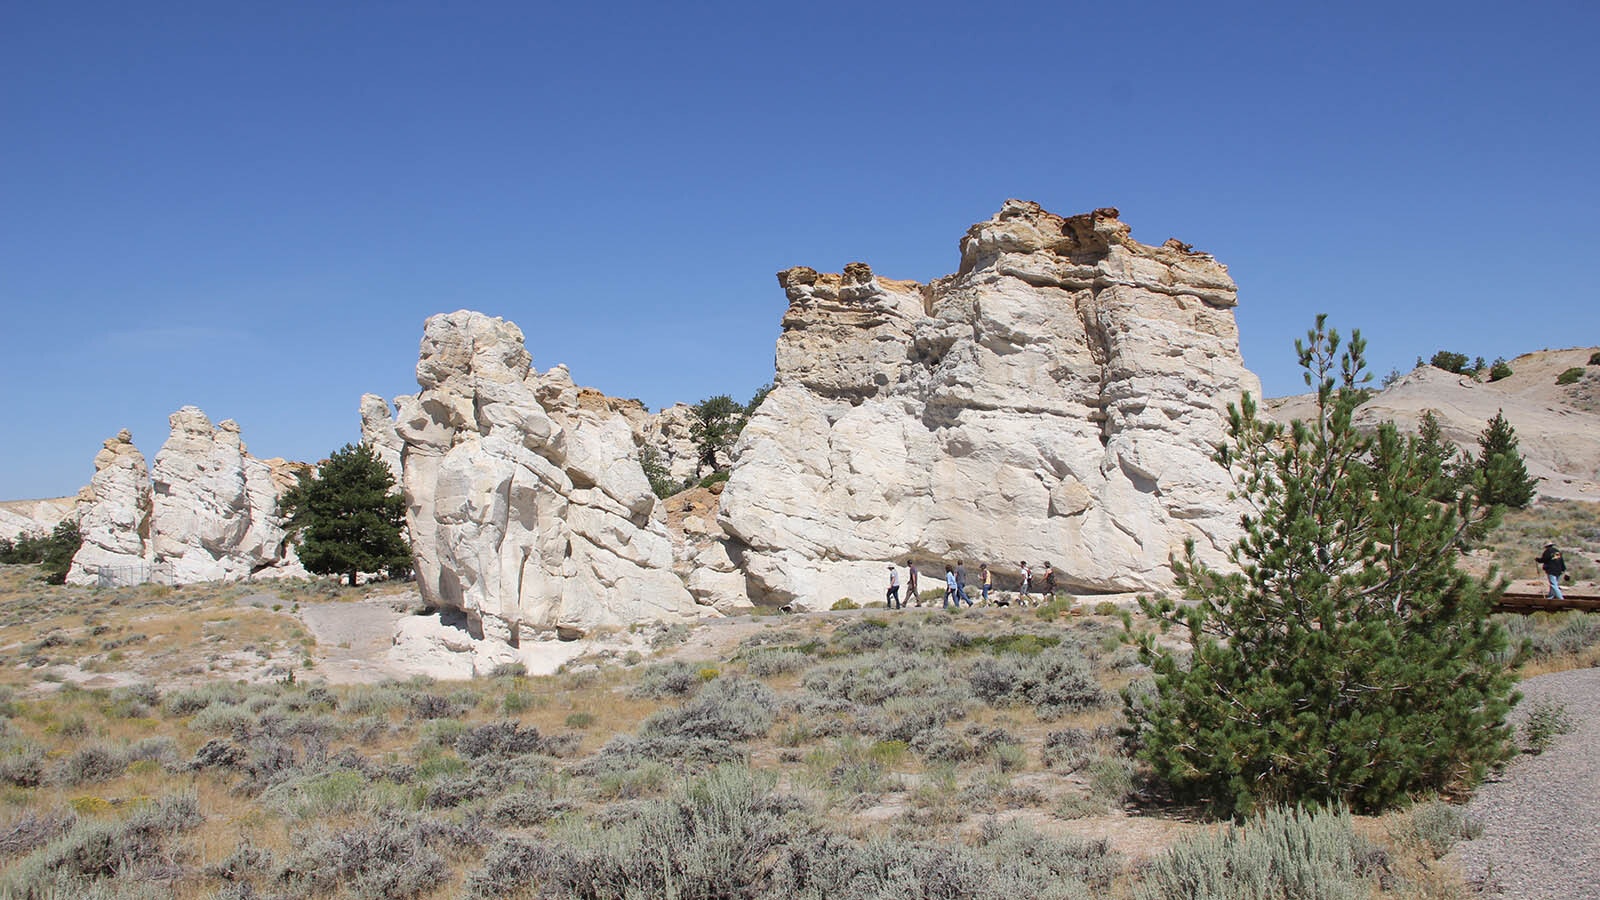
(1541, 817)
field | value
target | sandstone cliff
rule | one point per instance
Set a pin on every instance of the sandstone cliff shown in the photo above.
(206, 511)
(527, 507)
(1056, 400)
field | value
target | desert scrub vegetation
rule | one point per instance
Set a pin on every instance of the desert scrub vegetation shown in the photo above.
(916, 753)
(1282, 853)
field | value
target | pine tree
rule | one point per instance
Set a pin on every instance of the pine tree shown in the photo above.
(716, 426)
(1347, 659)
(1504, 477)
(348, 517)
(1431, 445)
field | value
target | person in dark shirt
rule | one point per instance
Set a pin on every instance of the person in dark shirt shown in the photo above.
(961, 584)
(1554, 567)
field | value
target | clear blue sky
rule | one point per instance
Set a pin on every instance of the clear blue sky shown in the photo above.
(253, 207)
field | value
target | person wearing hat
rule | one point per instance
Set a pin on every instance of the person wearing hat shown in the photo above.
(1554, 567)
(892, 599)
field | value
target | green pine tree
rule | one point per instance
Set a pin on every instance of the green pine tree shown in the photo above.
(1503, 477)
(1347, 659)
(348, 517)
(1431, 445)
(716, 426)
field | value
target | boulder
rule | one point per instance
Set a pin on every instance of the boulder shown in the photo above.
(1056, 399)
(527, 506)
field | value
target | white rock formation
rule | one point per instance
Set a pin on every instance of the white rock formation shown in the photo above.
(215, 510)
(377, 432)
(526, 503)
(1056, 400)
(668, 432)
(114, 518)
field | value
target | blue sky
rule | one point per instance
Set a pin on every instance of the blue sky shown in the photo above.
(253, 207)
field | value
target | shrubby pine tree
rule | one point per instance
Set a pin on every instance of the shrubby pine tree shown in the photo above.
(716, 426)
(1348, 660)
(1503, 476)
(1450, 361)
(348, 516)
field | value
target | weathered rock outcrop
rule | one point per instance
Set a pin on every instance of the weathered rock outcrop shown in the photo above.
(114, 518)
(207, 511)
(527, 507)
(215, 510)
(668, 431)
(377, 432)
(1056, 399)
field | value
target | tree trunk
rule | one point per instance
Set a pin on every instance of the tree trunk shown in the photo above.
(352, 578)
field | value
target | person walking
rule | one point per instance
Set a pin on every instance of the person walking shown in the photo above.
(1027, 583)
(911, 583)
(961, 584)
(1049, 584)
(1554, 567)
(950, 587)
(988, 581)
(892, 599)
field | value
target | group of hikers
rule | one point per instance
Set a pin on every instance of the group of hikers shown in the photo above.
(955, 586)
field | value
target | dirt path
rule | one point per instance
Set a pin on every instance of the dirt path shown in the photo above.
(1541, 816)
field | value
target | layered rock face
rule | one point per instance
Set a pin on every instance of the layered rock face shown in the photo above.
(1056, 400)
(207, 511)
(114, 517)
(527, 506)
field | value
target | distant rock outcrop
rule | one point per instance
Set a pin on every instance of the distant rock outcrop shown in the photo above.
(208, 511)
(668, 431)
(1056, 399)
(34, 517)
(1558, 426)
(527, 506)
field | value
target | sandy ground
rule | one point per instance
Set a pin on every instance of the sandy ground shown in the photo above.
(354, 639)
